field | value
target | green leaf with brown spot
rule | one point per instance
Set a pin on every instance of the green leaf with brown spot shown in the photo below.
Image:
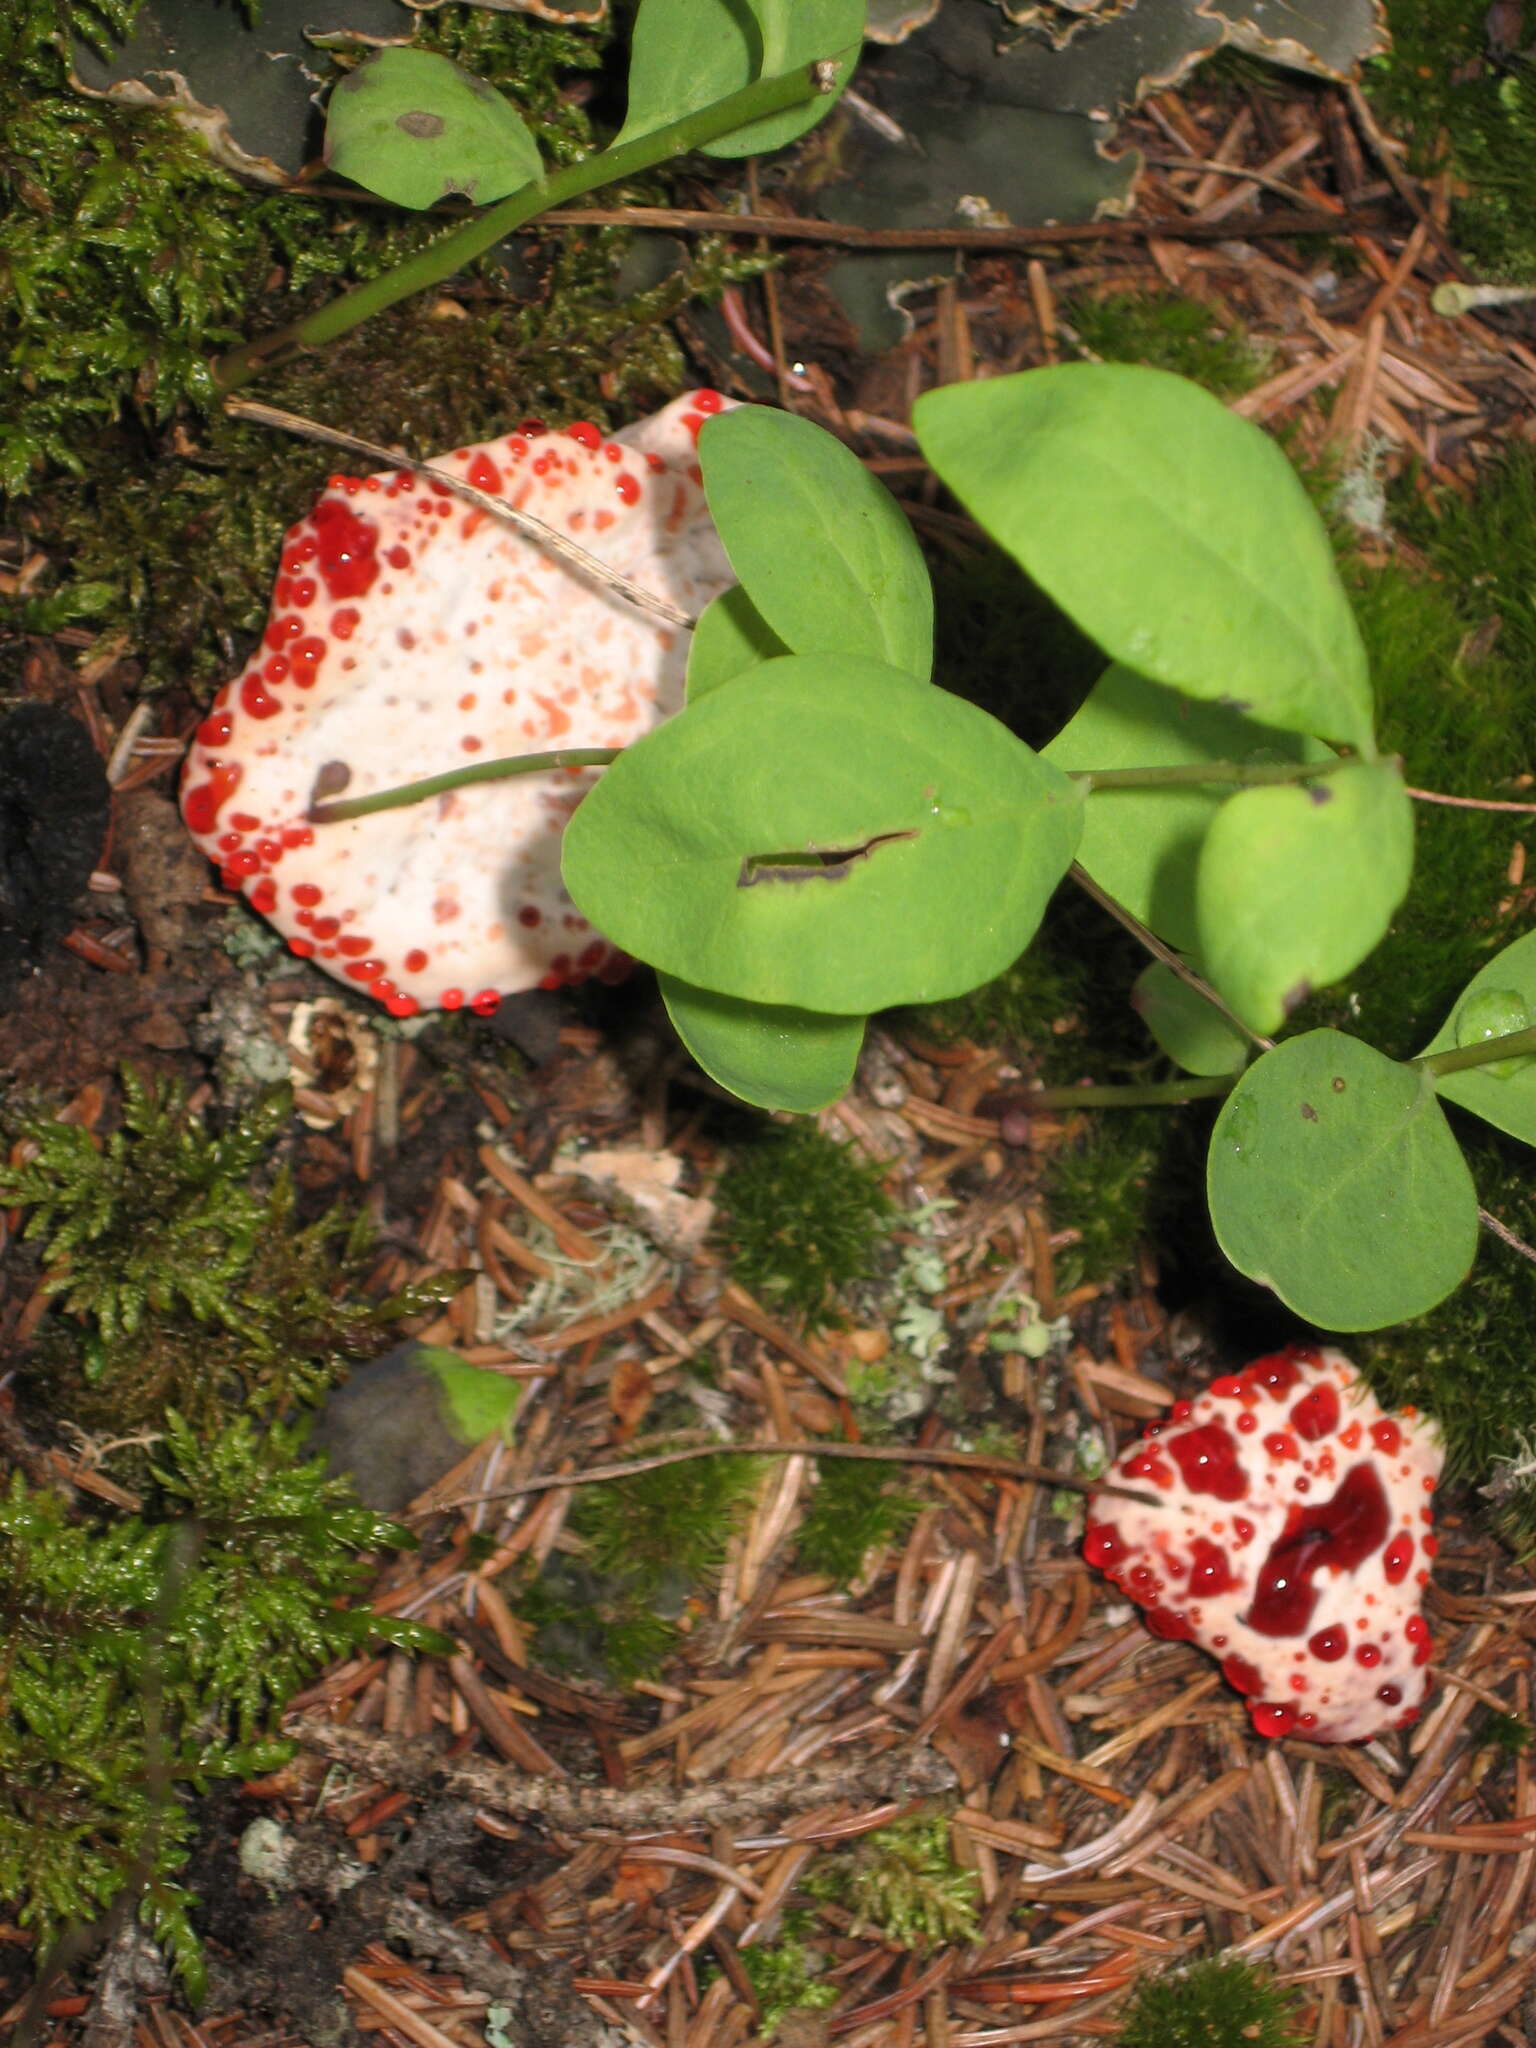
(415, 129)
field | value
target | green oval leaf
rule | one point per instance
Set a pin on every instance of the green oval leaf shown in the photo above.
(1334, 1179)
(822, 548)
(769, 1055)
(687, 54)
(1176, 534)
(731, 637)
(1499, 998)
(838, 837)
(1143, 845)
(1296, 885)
(415, 129)
(1188, 1027)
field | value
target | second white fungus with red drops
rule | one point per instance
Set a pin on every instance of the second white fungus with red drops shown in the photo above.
(412, 633)
(1291, 1539)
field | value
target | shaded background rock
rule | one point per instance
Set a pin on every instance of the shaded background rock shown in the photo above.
(54, 805)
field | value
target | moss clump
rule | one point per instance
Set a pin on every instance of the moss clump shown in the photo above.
(185, 1280)
(903, 1885)
(1463, 104)
(1168, 331)
(645, 1546)
(145, 1657)
(1100, 1186)
(853, 1508)
(803, 1218)
(1211, 2005)
(784, 1974)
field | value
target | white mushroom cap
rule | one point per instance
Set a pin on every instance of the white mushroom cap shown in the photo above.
(412, 633)
(1292, 1540)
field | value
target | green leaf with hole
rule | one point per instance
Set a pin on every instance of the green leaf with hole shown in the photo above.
(1333, 1178)
(835, 837)
(823, 550)
(1296, 885)
(414, 128)
(1175, 534)
(687, 54)
(1499, 998)
(1143, 845)
(1186, 1024)
(731, 637)
(768, 1054)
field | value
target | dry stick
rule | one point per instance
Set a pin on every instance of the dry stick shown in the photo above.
(532, 529)
(1505, 1235)
(884, 1454)
(1468, 803)
(796, 228)
(415, 1766)
(1145, 936)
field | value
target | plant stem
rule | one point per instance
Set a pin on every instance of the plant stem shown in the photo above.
(1173, 961)
(1183, 774)
(1129, 1094)
(450, 252)
(334, 811)
(1456, 1059)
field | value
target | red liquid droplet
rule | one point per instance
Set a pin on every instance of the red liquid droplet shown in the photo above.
(308, 894)
(584, 432)
(627, 487)
(1343, 1531)
(1329, 1644)
(1397, 1558)
(415, 960)
(1209, 1571)
(1271, 1720)
(264, 896)
(1280, 1444)
(257, 700)
(215, 731)
(484, 474)
(486, 1003)
(1102, 1546)
(1277, 1374)
(452, 999)
(402, 1006)
(1387, 1437)
(1208, 1459)
(708, 401)
(347, 557)
(1316, 1414)
(1241, 1675)
(201, 806)
(1168, 1623)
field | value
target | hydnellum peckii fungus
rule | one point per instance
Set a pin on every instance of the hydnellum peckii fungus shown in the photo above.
(1291, 1539)
(412, 634)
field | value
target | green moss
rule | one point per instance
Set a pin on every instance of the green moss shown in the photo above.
(802, 1218)
(645, 1546)
(163, 261)
(1100, 1186)
(903, 1885)
(1167, 331)
(1439, 87)
(1211, 2005)
(185, 1280)
(149, 1655)
(1450, 653)
(1467, 1362)
(852, 1508)
(784, 1975)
